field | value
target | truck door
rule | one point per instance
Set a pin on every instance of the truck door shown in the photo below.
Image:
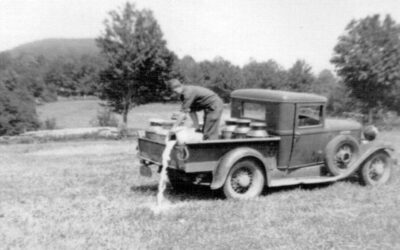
(308, 136)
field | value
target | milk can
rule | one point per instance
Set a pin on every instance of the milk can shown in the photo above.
(229, 128)
(242, 128)
(258, 130)
(168, 124)
(154, 128)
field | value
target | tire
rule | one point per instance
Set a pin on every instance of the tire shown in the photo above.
(177, 183)
(245, 180)
(340, 153)
(377, 170)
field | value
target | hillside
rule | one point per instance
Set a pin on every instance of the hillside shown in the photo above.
(52, 48)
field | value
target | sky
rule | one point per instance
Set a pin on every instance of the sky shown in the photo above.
(237, 30)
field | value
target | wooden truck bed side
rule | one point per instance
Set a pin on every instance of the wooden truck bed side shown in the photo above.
(203, 156)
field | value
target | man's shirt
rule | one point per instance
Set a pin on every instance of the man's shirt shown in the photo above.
(196, 98)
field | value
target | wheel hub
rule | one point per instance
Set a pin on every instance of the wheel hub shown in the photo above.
(244, 180)
(344, 155)
(378, 167)
(241, 180)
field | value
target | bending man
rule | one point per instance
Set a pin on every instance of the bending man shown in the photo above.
(196, 98)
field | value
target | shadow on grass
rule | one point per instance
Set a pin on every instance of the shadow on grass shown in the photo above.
(193, 192)
(200, 192)
(310, 187)
(145, 189)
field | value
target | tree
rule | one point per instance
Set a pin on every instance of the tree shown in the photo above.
(367, 58)
(17, 109)
(340, 101)
(325, 83)
(221, 76)
(300, 77)
(269, 75)
(138, 61)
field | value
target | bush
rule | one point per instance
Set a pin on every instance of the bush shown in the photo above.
(49, 124)
(17, 112)
(105, 118)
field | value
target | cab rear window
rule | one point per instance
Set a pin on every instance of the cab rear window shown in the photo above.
(253, 110)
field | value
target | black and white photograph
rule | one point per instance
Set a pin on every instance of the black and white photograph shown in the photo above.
(199, 124)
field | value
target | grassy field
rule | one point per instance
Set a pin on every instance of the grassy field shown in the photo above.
(89, 195)
(80, 113)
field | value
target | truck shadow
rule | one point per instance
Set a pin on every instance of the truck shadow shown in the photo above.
(195, 192)
(309, 187)
(145, 189)
(199, 192)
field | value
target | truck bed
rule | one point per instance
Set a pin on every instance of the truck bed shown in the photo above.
(203, 156)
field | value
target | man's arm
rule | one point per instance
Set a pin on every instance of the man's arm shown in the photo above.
(179, 119)
(195, 120)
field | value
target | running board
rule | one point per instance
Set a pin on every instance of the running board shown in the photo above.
(302, 180)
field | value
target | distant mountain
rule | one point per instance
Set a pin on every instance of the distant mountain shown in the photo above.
(52, 48)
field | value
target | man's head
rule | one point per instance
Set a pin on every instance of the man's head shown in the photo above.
(176, 86)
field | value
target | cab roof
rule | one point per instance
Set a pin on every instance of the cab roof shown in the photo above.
(277, 96)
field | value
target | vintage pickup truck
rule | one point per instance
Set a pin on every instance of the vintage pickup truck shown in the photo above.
(302, 147)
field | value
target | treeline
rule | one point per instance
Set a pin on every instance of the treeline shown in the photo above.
(222, 76)
(45, 79)
(28, 80)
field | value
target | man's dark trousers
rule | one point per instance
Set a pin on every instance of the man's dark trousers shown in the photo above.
(212, 118)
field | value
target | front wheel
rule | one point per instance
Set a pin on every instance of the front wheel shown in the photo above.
(377, 170)
(244, 181)
(340, 154)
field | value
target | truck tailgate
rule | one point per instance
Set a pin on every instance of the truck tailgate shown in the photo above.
(152, 151)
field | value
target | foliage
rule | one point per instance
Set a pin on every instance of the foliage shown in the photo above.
(75, 76)
(339, 101)
(17, 109)
(105, 118)
(325, 83)
(46, 78)
(190, 71)
(138, 61)
(300, 77)
(367, 58)
(268, 75)
(221, 76)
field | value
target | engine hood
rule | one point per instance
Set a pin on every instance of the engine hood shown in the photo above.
(342, 124)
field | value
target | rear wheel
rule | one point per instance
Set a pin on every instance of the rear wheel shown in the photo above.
(377, 170)
(244, 181)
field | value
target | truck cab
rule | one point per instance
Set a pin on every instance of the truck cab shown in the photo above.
(297, 118)
(302, 147)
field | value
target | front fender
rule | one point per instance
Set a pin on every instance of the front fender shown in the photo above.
(371, 148)
(229, 159)
(366, 151)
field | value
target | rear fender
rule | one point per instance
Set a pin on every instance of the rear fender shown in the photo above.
(229, 159)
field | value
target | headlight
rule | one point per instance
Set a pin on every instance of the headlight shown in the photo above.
(370, 132)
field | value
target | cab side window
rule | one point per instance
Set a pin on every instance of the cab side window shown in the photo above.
(310, 115)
